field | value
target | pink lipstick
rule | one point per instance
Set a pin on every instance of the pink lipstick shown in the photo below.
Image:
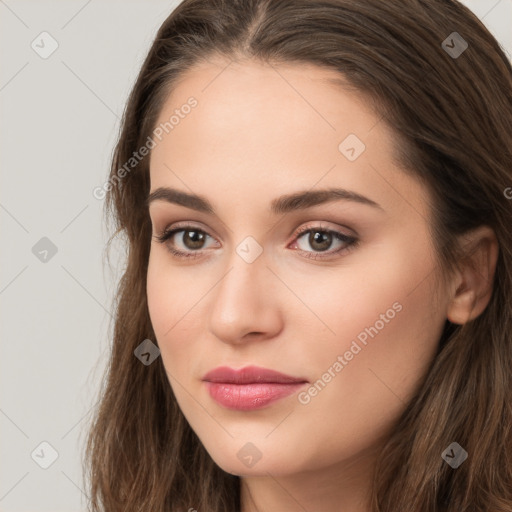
(249, 388)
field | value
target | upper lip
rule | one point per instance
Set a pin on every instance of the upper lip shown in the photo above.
(248, 375)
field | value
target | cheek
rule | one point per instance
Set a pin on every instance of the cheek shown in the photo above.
(168, 292)
(373, 382)
(384, 291)
(166, 297)
(175, 309)
(159, 294)
(387, 326)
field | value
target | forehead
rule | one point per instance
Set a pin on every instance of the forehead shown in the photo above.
(273, 128)
(268, 111)
(248, 91)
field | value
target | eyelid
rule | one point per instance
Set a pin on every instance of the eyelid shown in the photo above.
(352, 241)
(182, 225)
(321, 226)
(173, 228)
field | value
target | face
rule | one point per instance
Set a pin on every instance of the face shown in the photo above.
(337, 291)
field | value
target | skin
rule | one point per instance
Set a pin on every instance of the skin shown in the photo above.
(259, 132)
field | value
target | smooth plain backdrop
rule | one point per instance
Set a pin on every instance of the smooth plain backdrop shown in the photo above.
(62, 94)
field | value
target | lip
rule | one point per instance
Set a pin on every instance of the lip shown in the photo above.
(250, 375)
(249, 388)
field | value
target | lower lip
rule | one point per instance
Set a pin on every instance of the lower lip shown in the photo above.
(248, 397)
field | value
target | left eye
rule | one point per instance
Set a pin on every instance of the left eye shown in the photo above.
(321, 240)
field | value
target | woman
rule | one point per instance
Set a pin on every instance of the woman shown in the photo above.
(315, 312)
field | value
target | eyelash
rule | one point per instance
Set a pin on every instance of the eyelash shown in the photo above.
(352, 242)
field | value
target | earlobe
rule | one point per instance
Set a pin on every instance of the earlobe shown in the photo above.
(462, 308)
(474, 281)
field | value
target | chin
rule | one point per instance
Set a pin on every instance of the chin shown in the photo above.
(244, 459)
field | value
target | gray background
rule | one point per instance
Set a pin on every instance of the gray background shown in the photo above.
(59, 120)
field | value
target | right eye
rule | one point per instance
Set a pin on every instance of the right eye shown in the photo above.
(192, 241)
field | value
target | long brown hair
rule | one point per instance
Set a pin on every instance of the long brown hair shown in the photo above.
(452, 119)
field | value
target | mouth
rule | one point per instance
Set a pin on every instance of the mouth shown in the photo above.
(250, 388)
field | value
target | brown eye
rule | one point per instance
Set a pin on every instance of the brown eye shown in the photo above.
(188, 244)
(320, 240)
(193, 239)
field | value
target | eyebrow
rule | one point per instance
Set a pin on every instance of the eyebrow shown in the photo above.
(284, 204)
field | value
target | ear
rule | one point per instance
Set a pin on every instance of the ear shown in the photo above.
(472, 286)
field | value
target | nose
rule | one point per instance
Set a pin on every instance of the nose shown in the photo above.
(245, 303)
